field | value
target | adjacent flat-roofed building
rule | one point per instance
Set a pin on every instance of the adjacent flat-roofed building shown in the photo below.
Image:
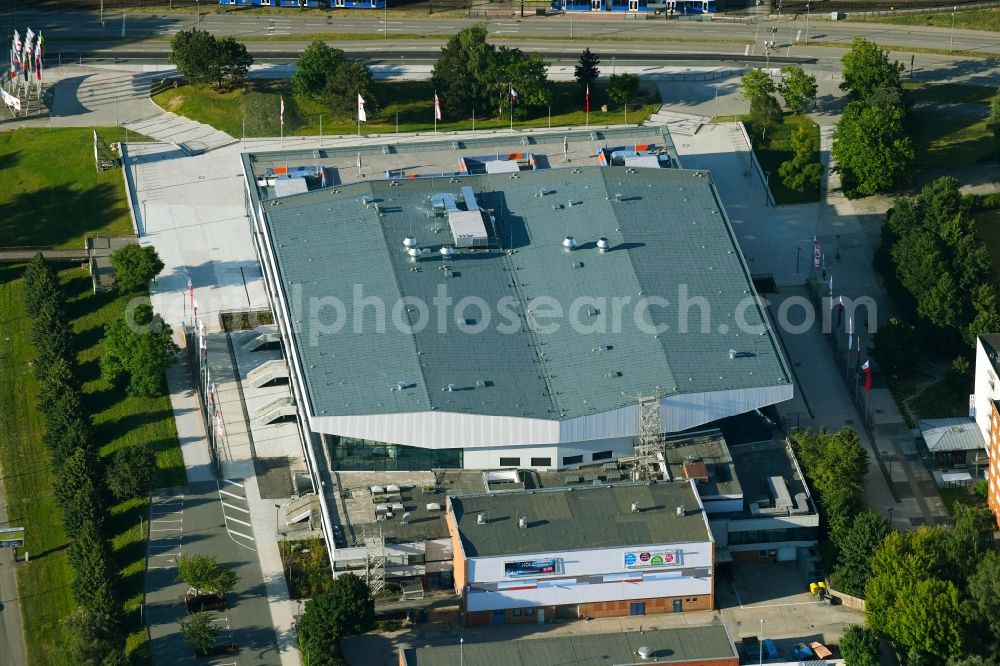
(590, 551)
(709, 645)
(496, 320)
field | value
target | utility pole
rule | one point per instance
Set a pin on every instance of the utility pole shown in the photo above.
(952, 47)
(807, 23)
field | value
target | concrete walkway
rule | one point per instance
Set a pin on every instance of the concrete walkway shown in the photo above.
(177, 130)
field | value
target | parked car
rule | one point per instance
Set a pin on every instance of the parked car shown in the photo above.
(770, 649)
(802, 652)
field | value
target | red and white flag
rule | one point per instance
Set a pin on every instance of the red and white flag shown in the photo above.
(437, 107)
(281, 114)
(850, 332)
(868, 377)
(191, 293)
(15, 55)
(362, 116)
(38, 56)
(587, 98)
(817, 253)
(513, 95)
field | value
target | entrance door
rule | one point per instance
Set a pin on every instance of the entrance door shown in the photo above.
(541, 615)
(498, 617)
(595, 5)
(633, 5)
(340, 3)
(638, 608)
(677, 605)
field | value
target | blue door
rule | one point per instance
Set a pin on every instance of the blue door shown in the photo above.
(498, 617)
(677, 605)
(637, 608)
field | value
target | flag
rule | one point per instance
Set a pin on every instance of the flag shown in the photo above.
(565, 145)
(513, 95)
(850, 332)
(13, 101)
(191, 293)
(817, 253)
(15, 55)
(13, 64)
(437, 107)
(868, 377)
(831, 290)
(29, 42)
(281, 113)
(38, 56)
(362, 116)
(587, 98)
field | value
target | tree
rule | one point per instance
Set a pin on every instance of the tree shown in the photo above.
(857, 545)
(803, 172)
(345, 84)
(465, 74)
(140, 348)
(202, 58)
(867, 68)
(927, 619)
(797, 88)
(859, 646)
(233, 61)
(51, 335)
(971, 538)
(756, 86)
(586, 71)
(623, 88)
(205, 575)
(40, 285)
(200, 631)
(871, 147)
(347, 610)
(313, 69)
(135, 266)
(993, 124)
(67, 426)
(835, 464)
(92, 639)
(93, 580)
(192, 51)
(131, 471)
(895, 343)
(526, 74)
(986, 306)
(983, 604)
(59, 380)
(77, 493)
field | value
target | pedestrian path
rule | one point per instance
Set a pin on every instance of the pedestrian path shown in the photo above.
(189, 135)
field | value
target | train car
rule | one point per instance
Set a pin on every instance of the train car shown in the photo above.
(666, 7)
(331, 4)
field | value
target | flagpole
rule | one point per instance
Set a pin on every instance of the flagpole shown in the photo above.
(473, 120)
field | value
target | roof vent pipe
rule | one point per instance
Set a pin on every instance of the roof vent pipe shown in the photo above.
(635, 507)
(603, 245)
(522, 522)
(680, 512)
(645, 652)
(481, 519)
(409, 242)
(569, 243)
(414, 253)
(447, 251)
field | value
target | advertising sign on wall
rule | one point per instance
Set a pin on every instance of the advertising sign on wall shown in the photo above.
(530, 568)
(653, 558)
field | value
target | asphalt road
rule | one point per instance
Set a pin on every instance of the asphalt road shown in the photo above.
(11, 638)
(79, 27)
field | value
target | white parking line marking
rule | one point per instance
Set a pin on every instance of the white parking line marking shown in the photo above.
(241, 522)
(240, 534)
(226, 492)
(232, 483)
(237, 508)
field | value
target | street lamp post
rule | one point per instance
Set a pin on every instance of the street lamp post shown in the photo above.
(837, 255)
(952, 47)
(807, 23)
(798, 253)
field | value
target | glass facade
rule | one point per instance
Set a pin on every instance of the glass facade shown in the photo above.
(365, 455)
(773, 536)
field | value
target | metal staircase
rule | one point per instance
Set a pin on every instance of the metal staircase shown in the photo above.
(375, 569)
(276, 409)
(264, 336)
(267, 373)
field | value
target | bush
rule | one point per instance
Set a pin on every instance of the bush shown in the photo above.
(135, 266)
(623, 88)
(982, 488)
(859, 646)
(131, 471)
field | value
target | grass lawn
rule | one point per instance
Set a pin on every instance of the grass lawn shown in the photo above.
(971, 19)
(412, 100)
(52, 194)
(943, 138)
(44, 582)
(776, 148)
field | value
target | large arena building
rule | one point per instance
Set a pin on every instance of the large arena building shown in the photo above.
(490, 304)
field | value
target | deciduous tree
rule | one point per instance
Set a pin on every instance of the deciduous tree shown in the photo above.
(139, 347)
(872, 149)
(857, 545)
(131, 471)
(993, 124)
(756, 85)
(797, 88)
(200, 631)
(465, 74)
(92, 639)
(866, 69)
(313, 69)
(803, 172)
(135, 266)
(205, 575)
(344, 85)
(346, 611)
(859, 646)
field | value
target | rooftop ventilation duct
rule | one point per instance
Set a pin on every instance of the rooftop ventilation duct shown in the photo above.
(680, 512)
(522, 522)
(569, 243)
(645, 652)
(481, 519)
(447, 251)
(409, 242)
(603, 245)
(635, 507)
(414, 253)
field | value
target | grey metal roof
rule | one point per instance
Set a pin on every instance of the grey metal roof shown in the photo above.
(667, 645)
(579, 518)
(952, 434)
(668, 230)
(710, 447)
